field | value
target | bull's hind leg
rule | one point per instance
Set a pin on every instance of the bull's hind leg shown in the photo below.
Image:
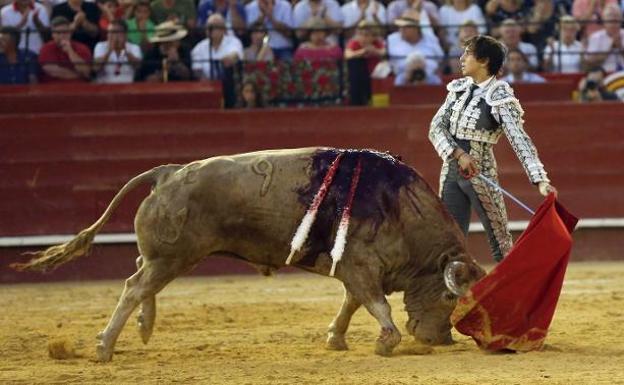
(338, 327)
(147, 314)
(144, 284)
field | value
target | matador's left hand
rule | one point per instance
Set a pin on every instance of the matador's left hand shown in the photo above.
(545, 188)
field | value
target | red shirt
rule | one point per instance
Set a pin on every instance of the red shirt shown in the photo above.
(355, 45)
(317, 54)
(53, 54)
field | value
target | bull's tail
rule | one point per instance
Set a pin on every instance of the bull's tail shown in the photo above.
(52, 257)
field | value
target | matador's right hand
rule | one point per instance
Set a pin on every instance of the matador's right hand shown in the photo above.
(467, 165)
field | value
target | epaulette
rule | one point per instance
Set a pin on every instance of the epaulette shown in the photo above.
(500, 93)
(459, 85)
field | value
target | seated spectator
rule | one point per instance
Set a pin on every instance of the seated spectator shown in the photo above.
(276, 16)
(565, 54)
(27, 15)
(363, 53)
(217, 51)
(456, 14)
(259, 49)
(415, 73)
(588, 13)
(497, 11)
(541, 23)
(366, 44)
(318, 47)
(233, 11)
(181, 12)
(397, 8)
(328, 10)
(510, 36)
(408, 39)
(517, 66)
(64, 59)
(115, 59)
(141, 27)
(467, 31)
(84, 17)
(357, 10)
(591, 87)
(167, 60)
(17, 66)
(605, 47)
(250, 96)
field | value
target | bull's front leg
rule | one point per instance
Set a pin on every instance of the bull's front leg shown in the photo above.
(389, 336)
(366, 288)
(340, 324)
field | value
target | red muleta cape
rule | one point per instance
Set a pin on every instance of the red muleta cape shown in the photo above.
(512, 307)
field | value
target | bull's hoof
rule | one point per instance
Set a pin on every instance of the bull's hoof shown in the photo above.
(103, 353)
(387, 341)
(145, 329)
(336, 342)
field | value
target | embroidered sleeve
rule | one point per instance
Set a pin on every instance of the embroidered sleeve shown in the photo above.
(510, 116)
(439, 134)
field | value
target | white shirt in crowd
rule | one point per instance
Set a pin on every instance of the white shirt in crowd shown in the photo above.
(351, 13)
(203, 52)
(600, 42)
(117, 69)
(399, 49)
(302, 11)
(527, 77)
(11, 17)
(398, 7)
(282, 12)
(569, 55)
(530, 52)
(452, 17)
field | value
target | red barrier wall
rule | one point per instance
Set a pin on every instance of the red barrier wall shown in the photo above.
(59, 172)
(78, 97)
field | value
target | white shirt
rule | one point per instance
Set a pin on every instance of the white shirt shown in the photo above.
(399, 49)
(451, 17)
(397, 7)
(527, 77)
(201, 54)
(302, 11)
(351, 13)
(570, 56)
(600, 42)
(530, 51)
(116, 69)
(282, 12)
(11, 17)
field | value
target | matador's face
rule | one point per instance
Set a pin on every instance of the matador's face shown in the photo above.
(469, 63)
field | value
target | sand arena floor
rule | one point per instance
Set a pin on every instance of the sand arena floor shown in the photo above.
(257, 330)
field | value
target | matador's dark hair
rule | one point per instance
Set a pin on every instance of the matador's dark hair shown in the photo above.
(487, 48)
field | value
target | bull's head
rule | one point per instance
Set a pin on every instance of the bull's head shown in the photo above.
(431, 299)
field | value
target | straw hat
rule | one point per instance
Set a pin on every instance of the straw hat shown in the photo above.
(168, 31)
(406, 22)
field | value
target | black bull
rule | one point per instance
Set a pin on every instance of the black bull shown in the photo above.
(248, 206)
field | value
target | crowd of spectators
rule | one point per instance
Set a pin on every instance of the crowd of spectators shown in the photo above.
(122, 41)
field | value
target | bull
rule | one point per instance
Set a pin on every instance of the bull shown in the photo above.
(247, 206)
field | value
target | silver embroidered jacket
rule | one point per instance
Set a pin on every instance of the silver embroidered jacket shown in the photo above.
(484, 118)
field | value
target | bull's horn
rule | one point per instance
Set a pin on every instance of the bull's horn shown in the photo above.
(449, 277)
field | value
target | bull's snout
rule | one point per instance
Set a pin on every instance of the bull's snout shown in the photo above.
(442, 339)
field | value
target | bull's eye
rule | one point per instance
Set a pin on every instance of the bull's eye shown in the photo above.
(450, 297)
